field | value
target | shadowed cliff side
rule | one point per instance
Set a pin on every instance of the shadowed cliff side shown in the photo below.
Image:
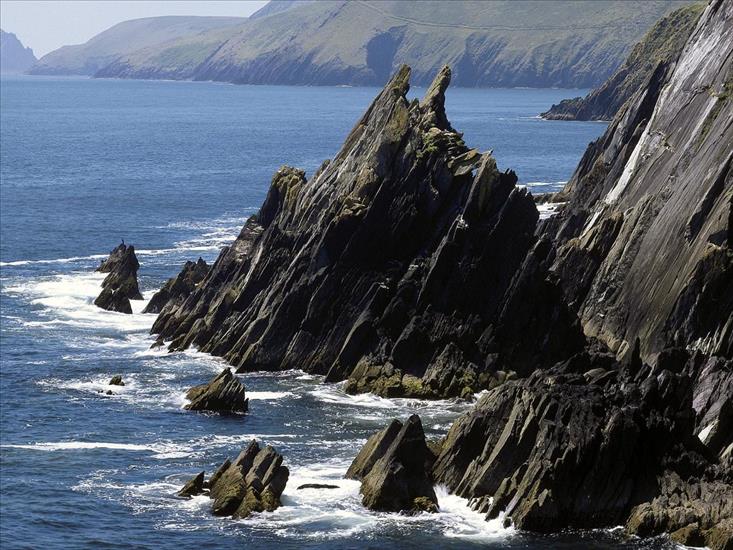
(644, 241)
(642, 251)
(392, 259)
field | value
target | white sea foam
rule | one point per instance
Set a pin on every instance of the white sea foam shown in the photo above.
(269, 395)
(548, 209)
(54, 261)
(79, 445)
(458, 520)
(68, 300)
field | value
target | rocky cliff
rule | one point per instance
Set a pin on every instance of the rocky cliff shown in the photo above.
(539, 43)
(659, 48)
(410, 265)
(390, 264)
(636, 429)
(14, 57)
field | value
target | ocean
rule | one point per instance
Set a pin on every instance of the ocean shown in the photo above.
(175, 168)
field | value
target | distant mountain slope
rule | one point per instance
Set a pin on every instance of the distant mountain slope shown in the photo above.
(14, 57)
(124, 38)
(499, 43)
(278, 6)
(660, 46)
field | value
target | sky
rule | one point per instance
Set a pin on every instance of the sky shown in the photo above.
(46, 25)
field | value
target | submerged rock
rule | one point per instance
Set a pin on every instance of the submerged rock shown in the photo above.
(178, 288)
(253, 482)
(223, 393)
(317, 486)
(394, 469)
(120, 285)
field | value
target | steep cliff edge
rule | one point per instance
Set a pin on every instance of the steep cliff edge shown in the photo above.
(648, 217)
(391, 262)
(14, 57)
(638, 431)
(662, 45)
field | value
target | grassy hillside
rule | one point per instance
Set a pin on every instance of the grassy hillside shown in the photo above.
(361, 42)
(662, 45)
(124, 38)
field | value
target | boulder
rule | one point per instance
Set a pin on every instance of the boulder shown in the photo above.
(178, 288)
(120, 285)
(394, 469)
(116, 381)
(223, 393)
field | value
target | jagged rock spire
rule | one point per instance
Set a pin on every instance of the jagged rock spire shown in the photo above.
(434, 99)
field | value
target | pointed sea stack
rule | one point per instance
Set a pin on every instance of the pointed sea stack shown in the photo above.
(394, 467)
(392, 259)
(120, 285)
(253, 482)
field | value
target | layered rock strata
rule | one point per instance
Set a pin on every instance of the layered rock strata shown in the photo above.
(394, 469)
(178, 288)
(120, 285)
(223, 393)
(630, 430)
(253, 482)
(392, 257)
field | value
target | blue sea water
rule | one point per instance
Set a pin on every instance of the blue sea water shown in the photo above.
(174, 168)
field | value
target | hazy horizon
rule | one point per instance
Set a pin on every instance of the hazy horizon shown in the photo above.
(45, 26)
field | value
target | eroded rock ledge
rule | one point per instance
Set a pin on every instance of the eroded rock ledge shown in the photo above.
(120, 285)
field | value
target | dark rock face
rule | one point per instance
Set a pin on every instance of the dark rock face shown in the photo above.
(394, 469)
(223, 393)
(253, 482)
(409, 265)
(661, 46)
(120, 285)
(642, 245)
(392, 259)
(178, 288)
(193, 487)
(565, 447)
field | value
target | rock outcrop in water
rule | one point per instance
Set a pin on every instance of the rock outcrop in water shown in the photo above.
(657, 51)
(394, 469)
(392, 259)
(178, 288)
(223, 393)
(628, 431)
(410, 265)
(120, 285)
(253, 482)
